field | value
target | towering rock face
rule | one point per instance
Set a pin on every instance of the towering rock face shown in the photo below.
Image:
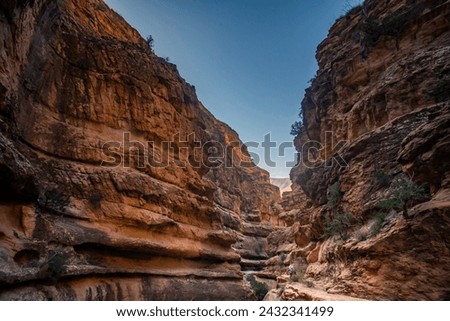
(116, 183)
(376, 127)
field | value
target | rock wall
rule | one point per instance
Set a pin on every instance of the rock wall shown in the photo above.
(115, 181)
(376, 126)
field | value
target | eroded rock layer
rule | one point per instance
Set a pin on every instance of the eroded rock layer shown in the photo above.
(94, 203)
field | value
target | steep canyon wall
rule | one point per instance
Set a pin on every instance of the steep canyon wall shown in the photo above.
(93, 203)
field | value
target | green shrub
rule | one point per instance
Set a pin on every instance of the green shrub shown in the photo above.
(294, 278)
(381, 179)
(409, 193)
(334, 194)
(380, 217)
(370, 28)
(406, 195)
(344, 235)
(150, 42)
(271, 254)
(389, 204)
(338, 225)
(296, 128)
(392, 25)
(309, 284)
(260, 289)
(351, 6)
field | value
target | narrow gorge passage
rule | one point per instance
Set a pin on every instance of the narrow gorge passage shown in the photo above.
(106, 194)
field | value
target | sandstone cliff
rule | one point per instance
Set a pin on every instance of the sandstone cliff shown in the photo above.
(369, 214)
(88, 207)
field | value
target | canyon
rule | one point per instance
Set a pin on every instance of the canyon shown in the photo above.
(118, 184)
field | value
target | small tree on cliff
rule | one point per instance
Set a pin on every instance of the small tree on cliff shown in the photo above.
(150, 42)
(260, 289)
(408, 194)
(339, 224)
(296, 127)
(334, 195)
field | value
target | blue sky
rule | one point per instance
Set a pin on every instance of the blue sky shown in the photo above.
(250, 60)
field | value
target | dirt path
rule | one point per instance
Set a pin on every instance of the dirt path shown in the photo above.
(300, 292)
